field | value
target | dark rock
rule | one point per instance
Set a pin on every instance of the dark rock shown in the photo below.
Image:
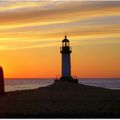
(2, 89)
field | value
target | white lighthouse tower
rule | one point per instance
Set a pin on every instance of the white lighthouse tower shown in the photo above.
(66, 50)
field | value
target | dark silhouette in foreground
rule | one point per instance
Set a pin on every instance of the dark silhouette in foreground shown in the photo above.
(62, 99)
(2, 89)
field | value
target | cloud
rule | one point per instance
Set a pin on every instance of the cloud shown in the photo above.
(49, 20)
(25, 45)
(60, 30)
(69, 11)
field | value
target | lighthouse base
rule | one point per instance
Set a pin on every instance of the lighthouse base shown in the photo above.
(68, 79)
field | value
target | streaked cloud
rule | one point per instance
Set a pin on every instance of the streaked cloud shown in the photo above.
(70, 11)
(9, 47)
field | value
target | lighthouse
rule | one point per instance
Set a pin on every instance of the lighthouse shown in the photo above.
(66, 61)
(66, 51)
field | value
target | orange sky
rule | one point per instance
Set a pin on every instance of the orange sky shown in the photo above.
(31, 33)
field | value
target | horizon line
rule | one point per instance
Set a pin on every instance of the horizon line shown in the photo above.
(78, 78)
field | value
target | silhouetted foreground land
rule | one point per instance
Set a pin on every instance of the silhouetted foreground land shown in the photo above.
(63, 100)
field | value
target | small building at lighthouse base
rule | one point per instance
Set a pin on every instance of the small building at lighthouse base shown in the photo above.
(68, 79)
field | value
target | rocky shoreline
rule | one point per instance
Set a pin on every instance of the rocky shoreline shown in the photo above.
(61, 100)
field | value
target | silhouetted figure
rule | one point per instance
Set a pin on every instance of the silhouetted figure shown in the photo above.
(2, 90)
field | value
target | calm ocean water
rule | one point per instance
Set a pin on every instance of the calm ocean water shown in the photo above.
(24, 84)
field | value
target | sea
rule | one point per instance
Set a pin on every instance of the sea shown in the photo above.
(34, 83)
